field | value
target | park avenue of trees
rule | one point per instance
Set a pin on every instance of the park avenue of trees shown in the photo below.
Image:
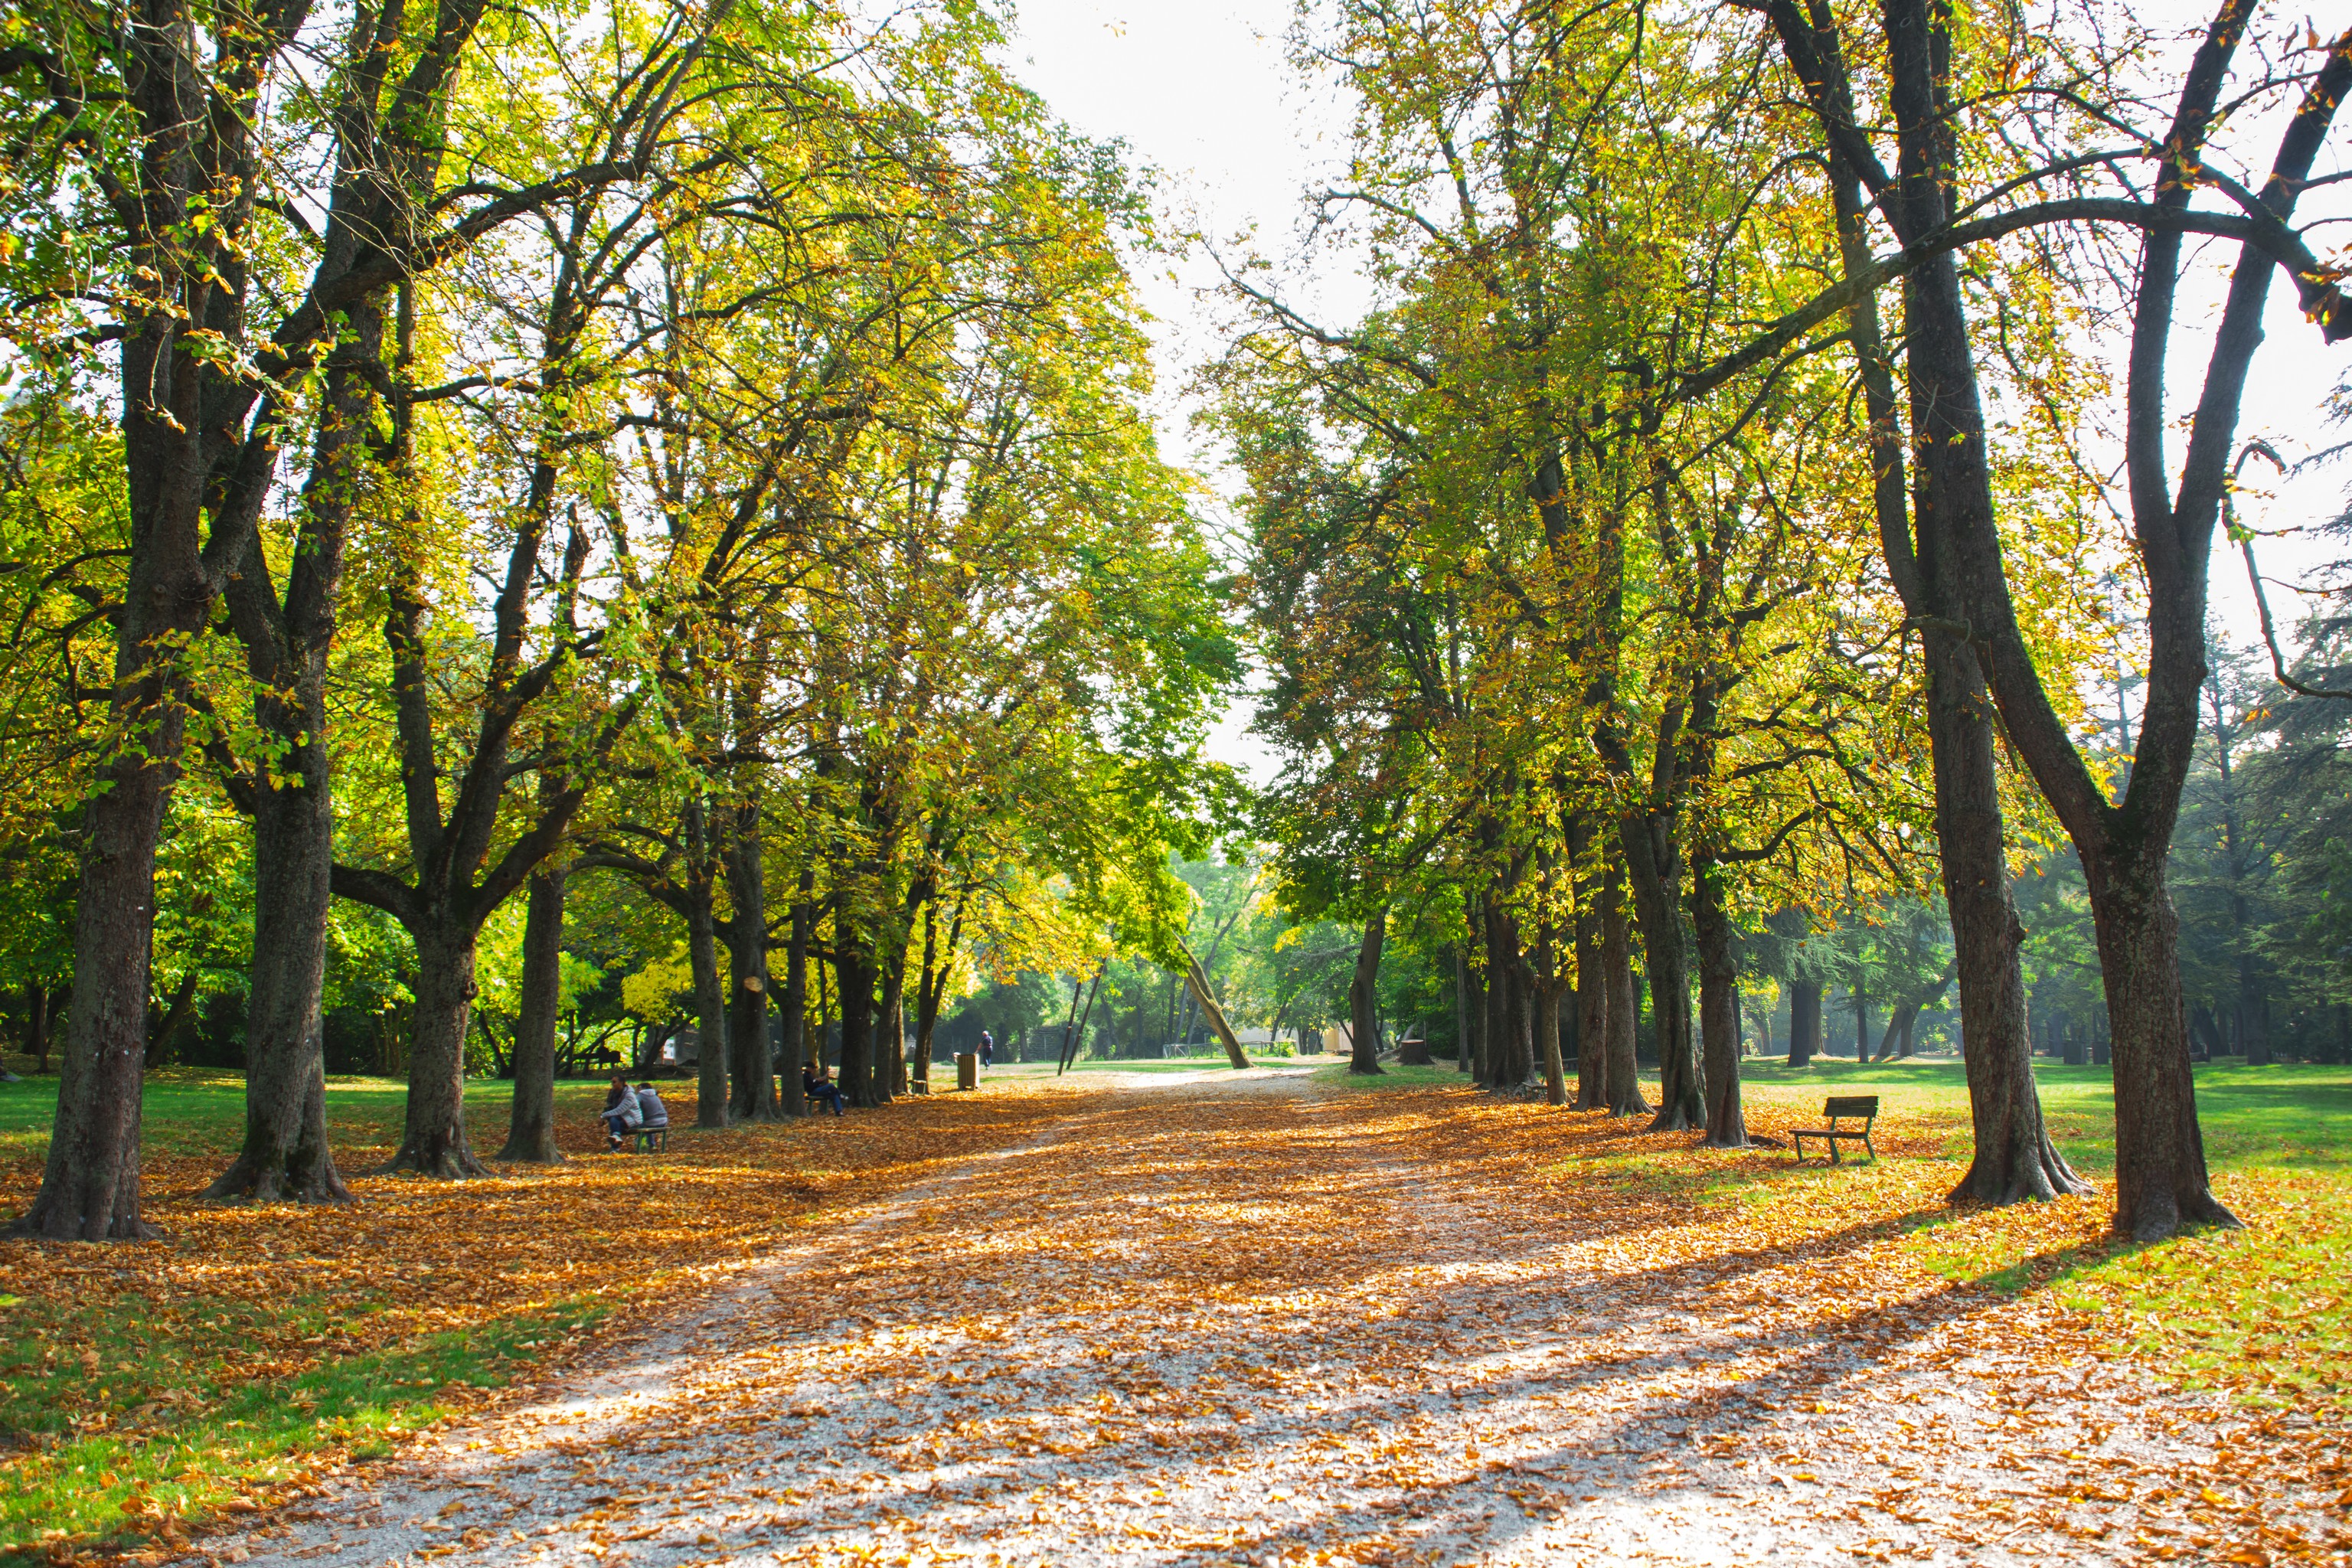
(531, 529)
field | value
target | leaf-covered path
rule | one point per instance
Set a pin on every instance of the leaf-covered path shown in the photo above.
(1240, 1319)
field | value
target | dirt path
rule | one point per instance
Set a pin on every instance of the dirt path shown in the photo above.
(1236, 1319)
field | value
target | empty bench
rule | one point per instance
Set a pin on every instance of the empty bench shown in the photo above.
(1837, 1111)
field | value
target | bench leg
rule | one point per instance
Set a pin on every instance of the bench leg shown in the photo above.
(1872, 1147)
(1835, 1160)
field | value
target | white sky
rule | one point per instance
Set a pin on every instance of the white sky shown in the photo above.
(1203, 93)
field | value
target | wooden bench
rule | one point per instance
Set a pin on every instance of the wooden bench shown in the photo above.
(651, 1138)
(1838, 1110)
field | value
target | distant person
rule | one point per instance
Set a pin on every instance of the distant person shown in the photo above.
(621, 1115)
(653, 1116)
(819, 1087)
(987, 1048)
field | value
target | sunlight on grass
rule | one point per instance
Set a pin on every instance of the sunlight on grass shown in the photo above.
(248, 1345)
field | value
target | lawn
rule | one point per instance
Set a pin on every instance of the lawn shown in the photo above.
(2264, 1312)
(225, 1363)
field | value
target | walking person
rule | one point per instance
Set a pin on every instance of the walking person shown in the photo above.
(987, 1048)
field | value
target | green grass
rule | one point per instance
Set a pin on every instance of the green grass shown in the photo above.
(2286, 1115)
(145, 1383)
(196, 1113)
(1141, 1064)
(203, 1433)
(2265, 1311)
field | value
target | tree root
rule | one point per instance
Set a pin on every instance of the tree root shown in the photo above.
(271, 1180)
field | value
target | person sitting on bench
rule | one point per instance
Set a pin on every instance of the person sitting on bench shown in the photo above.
(653, 1116)
(819, 1087)
(621, 1114)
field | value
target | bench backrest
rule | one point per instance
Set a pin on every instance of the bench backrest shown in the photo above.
(1863, 1105)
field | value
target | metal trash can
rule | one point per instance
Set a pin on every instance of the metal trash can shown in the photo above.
(967, 1069)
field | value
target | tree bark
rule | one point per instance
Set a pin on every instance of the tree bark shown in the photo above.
(433, 1141)
(794, 1102)
(748, 1051)
(2160, 1175)
(1363, 996)
(530, 1124)
(1591, 1012)
(1681, 1091)
(1510, 1031)
(1804, 1021)
(1718, 990)
(700, 889)
(854, 978)
(285, 1155)
(1617, 962)
(1546, 1020)
(2014, 1158)
(90, 1186)
(1475, 978)
(1898, 1031)
(1461, 1044)
(36, 1023)
(890, 1035)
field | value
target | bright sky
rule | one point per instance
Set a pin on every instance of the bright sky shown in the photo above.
(1203, 93)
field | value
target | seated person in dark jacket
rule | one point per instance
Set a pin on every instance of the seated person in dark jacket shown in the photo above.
(819, 1088)
(653, 1116)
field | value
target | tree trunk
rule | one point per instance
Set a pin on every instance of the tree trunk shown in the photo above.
(891, 1034)
(1592, 1013)
(1475, 978)
(90, 1186)
(1861, 1021)
(1510, 1027)
(1364, 996)
(1617, 963)
(1548, 1017)
(1522, 1064)
(37, 1025)
(1681, 1091)
(1898, 1027)
(1718, 1004)
(748, 1051)
(792, 1101)
(933, 990)
(854, 977)
(1500, 961)
(1460, 1010)
(2014, 1157)
(2204, 1034)
(1804, 1021)
(285, 1154)
(2253, 1020)
(2161, 1182)
(531, 1125)
(702, 961)
(433, 1142)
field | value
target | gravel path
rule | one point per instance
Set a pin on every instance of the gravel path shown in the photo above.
(1233, 1319)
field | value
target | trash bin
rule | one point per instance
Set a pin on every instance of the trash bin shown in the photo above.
(967, 1069)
